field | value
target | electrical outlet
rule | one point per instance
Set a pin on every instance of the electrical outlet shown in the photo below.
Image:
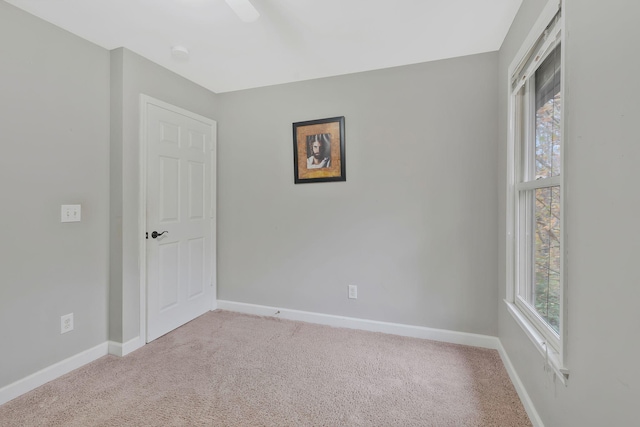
(70, 213)
(353, 292)
(66, 323)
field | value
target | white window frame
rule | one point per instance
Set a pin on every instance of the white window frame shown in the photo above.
(552, 346)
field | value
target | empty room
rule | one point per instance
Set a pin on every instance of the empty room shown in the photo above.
(319, 213)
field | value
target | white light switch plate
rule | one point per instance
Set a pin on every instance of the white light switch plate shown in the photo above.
(353, 292)
(70, 213)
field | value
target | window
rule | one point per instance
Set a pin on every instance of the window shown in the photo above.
(536, 192)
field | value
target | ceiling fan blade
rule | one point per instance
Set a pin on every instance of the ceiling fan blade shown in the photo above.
(244, 9)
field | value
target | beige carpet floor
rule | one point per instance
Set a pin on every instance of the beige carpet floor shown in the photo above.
(229, 369)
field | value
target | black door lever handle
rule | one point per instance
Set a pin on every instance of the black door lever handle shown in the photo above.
(156, 234)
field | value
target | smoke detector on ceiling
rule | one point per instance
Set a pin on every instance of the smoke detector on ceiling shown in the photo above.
(180, 53)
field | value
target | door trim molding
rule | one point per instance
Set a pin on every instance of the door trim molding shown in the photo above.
(145, 101)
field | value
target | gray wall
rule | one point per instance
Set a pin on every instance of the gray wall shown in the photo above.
(54, 117)
(132, 75)
(414, 225)
(602, 206)
(69, 114)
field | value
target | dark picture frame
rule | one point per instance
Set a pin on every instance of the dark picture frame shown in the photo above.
(318, 151)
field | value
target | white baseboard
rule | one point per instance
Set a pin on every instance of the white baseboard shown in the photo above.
(52, 372)
(522, 392)
(122, 349)
(476, 340)
(454, 337)
(63, 367)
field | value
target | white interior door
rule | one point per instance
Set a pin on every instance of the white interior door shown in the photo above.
(180, 204)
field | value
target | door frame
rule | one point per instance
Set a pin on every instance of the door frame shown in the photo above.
(145, 101)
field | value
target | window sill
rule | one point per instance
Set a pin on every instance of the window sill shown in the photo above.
(551, 356)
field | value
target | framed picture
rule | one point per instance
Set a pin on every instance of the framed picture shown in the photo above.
(318, 151)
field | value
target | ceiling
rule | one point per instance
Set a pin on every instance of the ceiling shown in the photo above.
(292, 40)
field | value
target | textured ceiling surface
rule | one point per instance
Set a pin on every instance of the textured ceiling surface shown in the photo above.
(292, 40)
